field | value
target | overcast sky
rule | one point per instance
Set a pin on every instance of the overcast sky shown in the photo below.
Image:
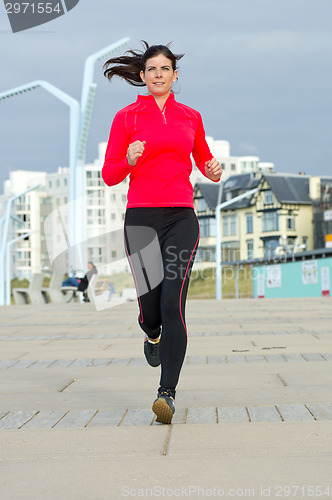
(259, 72)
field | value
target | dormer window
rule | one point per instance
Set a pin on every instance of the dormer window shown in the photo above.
(268, 197)
(202, 206)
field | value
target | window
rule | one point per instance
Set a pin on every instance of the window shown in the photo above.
(250, 249)
(199, 254)
(226, 228)
(230, 251)
(58, 183)
(290, 220)
(305, 242)
(207, 227)
(268, 197)
(201, 205)
(113, 254)
(208, 255)
(270, 248)
(270, 221)
(233, 225)
(65, 181)
(233, 166)
(250, 223)
(50, 184)
(229, 223)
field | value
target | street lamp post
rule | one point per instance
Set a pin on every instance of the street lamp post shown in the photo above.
(5, 220)
(86, 108)
(73, 137)
(8, 290)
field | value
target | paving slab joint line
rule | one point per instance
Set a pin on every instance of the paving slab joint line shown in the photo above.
(33, 416)
(168, 436)
(93, 416)
(125, 413)
(310, 412)
(5, 415)
(282, 419)
(282, 380)
(10, 366)
(67, 385)
(63, 416)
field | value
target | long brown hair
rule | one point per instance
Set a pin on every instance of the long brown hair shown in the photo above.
(129, 67)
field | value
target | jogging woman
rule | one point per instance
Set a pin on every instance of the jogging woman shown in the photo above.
(151, 140)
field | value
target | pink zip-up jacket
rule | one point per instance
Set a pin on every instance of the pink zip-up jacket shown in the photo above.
(160, 177)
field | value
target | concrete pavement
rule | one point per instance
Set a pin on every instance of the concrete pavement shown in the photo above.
(253, 408)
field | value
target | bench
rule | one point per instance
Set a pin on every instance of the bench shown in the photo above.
(53, 292)
(32, 294)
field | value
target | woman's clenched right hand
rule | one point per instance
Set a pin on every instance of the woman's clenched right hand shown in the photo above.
(135, 151)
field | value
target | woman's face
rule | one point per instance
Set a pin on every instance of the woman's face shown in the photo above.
(159, 75)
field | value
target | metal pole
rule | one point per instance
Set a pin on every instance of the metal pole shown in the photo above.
(73, 137)
(87, 102)
(218, 255)
(236, 281)
(5, 220)
(8, 266)
(218, 237)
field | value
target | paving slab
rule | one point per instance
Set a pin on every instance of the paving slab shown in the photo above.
(253, 407)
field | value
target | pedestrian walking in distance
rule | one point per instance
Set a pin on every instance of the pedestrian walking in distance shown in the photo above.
(152, 140)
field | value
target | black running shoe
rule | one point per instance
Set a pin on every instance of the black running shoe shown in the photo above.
(164, 406)
(151, 351)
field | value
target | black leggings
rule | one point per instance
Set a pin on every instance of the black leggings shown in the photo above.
(161, 243)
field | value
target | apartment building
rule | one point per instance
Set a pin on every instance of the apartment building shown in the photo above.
(277, 219)
(26, 253)
(103, 207)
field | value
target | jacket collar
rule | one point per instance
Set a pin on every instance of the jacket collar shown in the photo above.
(150, 100)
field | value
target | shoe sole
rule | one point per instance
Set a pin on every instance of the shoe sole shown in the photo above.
(163, 411)
(155, 365)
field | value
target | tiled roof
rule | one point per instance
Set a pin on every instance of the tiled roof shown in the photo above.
(210, 193)
(290, 188)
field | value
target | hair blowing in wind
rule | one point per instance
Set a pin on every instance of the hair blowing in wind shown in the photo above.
(128, 67)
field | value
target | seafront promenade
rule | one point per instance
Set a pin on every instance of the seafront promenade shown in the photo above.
(253, 408)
